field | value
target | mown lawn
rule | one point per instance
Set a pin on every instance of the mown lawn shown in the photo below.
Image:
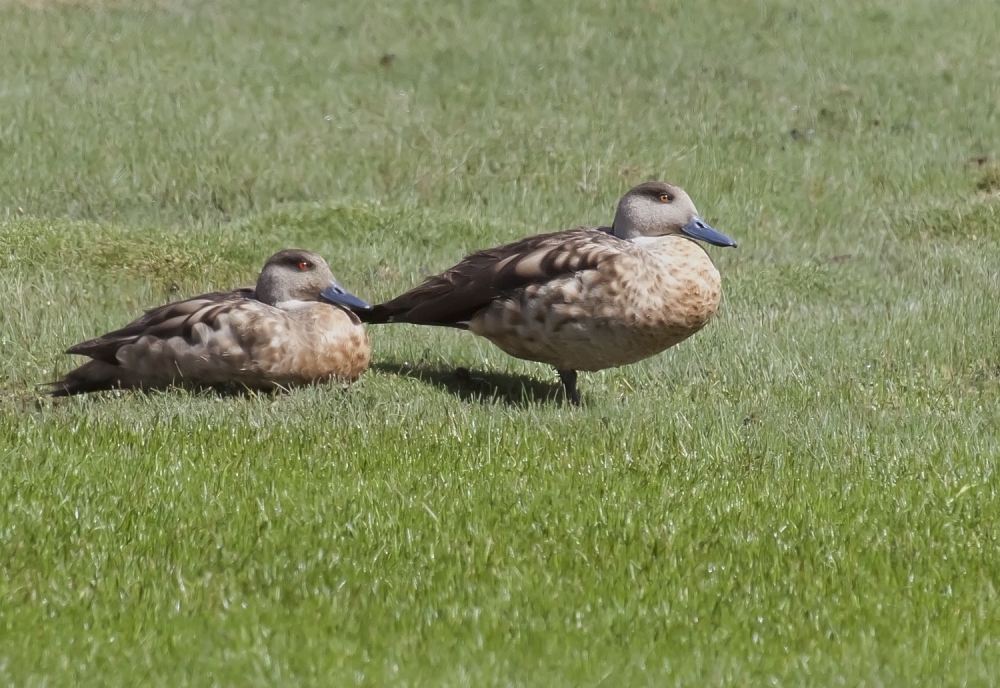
(804, 493)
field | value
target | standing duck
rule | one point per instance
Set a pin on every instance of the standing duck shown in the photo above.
(297, 326)
(583, 299)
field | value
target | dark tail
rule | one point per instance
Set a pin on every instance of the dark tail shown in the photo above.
(381, 314)
(376, 315)
(92, 376)
(68, 387)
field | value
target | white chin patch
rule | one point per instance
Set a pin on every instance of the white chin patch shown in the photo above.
(294, 304)
(646, 240)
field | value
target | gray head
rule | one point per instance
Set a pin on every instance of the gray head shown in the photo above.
(656, 209)
(294, 275)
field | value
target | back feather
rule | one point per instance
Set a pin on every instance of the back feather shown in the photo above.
(452, 298)
(172, 320)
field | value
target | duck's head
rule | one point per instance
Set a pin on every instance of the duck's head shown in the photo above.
(294, 276)
(656, 209)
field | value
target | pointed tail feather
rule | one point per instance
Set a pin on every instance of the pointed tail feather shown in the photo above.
(92, 376)
(377, 315)
(382, 314)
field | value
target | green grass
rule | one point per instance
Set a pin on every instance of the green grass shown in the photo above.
(804, 493)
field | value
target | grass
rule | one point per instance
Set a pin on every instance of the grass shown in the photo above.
(804, 493)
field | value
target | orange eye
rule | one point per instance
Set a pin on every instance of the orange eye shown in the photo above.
(665, 198)
(303, 265)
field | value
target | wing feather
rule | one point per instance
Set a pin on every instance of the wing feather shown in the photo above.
(165, 322)
(457, 294)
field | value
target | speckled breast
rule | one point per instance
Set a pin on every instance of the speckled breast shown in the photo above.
(318, 343)
(637, 303)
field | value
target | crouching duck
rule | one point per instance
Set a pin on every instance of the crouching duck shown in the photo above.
(297, 326)
(583, 299)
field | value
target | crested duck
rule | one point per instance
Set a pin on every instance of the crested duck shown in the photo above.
(296, 326)
(582, 299)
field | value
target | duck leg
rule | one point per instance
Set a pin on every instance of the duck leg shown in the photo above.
(568, 378)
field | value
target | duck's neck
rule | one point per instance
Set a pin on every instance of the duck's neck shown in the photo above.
(269, 289)
(624, 230)
(630, 220)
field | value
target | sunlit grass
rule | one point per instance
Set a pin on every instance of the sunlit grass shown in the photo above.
(804, 493)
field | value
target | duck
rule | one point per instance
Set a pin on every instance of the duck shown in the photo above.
(583, 299)
(296, 326)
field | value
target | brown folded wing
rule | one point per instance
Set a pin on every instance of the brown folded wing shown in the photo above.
(172, 320)
(457, 294)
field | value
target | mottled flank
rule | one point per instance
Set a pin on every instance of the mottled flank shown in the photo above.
(278, 334)
(605, 317)
(584, 299)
